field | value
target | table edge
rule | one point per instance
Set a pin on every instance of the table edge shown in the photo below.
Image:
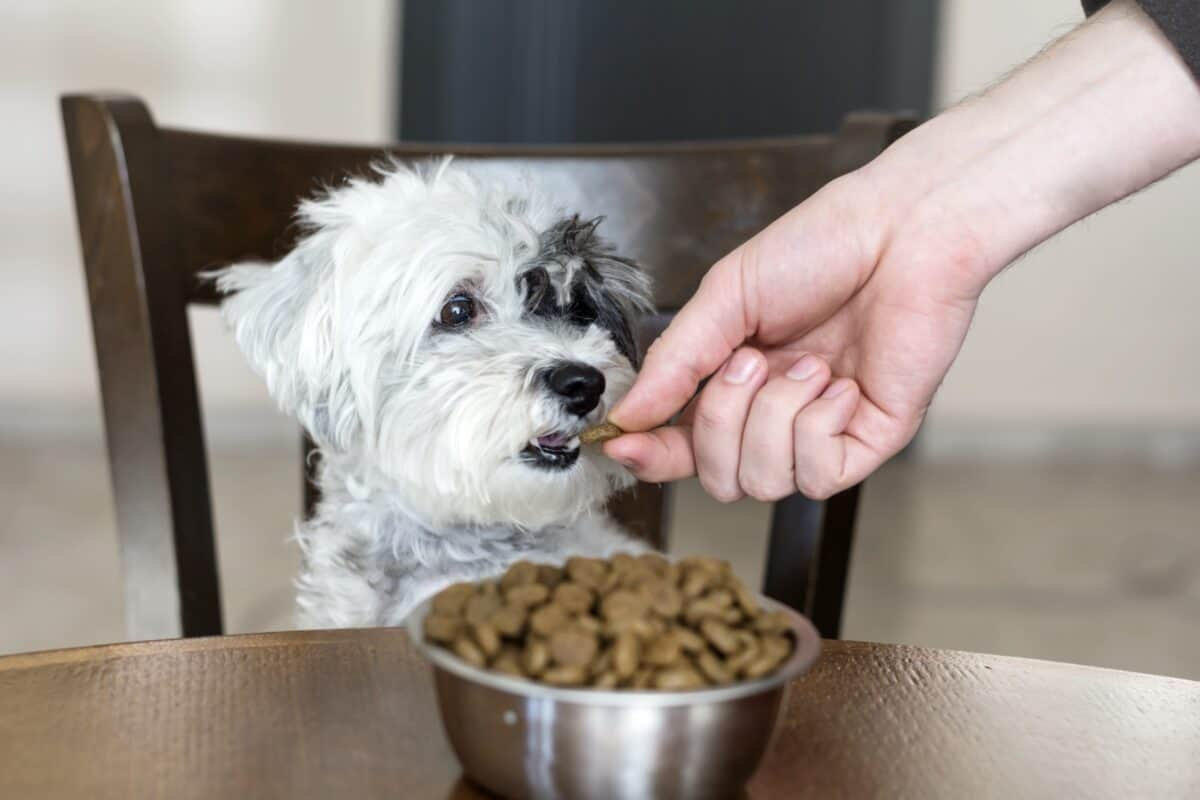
(831, 651)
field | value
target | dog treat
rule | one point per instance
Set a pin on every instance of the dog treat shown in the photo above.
(598, 434)
(630, 622)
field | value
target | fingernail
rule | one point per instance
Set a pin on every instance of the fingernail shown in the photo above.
(805, 368)
(627, 463)
(836, 388)
(741, 367)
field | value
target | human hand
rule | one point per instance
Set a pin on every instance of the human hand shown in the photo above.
(828, 333)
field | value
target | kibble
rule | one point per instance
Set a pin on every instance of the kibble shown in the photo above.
(479, 609)
(573, 647)
(469, 652)
(695, 581)
(602, 663)
(451, 600)
(600, 433)
(721, 636)
(536, 656)
(488, 638)
(663, 598)
(573, 597)
(664, 650)
(690, 641)
(590, 572)
(520, 574)
(442, 628)
(623, 605)
(528, 595)
(678, 678)
(630, 622)
(509, 621)
(549, 575)
(508, 662)
(548, 619)
(774, 622)
(606, 680)
(566, 675)
(627, 654)
(713, 669)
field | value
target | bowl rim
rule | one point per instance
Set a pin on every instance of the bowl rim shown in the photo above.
(804, 655)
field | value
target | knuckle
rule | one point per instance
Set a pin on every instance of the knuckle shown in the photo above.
(813, 488)
(774, 404)
(805, 426)
(764, 488)
(710, 418)
(726, 497)
(712, 281)
(764, 491)
(722, 493)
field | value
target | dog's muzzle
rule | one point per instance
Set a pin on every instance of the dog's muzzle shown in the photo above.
(554, 451)
(579, 387)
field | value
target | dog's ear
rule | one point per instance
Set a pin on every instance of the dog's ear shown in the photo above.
(282, 320)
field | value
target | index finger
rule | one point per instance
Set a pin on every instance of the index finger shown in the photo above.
(702, 336)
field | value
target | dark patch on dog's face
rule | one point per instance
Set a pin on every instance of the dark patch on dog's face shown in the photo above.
(590, 298)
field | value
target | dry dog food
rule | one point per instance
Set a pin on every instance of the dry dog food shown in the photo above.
(600, 433)
(632, 622)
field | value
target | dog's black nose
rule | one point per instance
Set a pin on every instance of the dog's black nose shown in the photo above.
(579, 386)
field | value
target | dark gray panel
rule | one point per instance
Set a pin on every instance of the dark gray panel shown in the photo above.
(628, 70)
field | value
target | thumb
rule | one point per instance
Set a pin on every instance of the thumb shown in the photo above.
(702, 336)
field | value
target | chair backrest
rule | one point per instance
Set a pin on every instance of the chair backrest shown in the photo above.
(156, 206)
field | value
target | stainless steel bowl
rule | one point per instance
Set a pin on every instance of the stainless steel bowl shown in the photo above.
(521, 739)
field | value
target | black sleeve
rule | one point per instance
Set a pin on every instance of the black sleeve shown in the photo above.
(1178, 19)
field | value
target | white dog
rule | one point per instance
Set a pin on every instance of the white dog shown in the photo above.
(443, 340)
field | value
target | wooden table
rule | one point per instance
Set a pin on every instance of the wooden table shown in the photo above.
(352, 714)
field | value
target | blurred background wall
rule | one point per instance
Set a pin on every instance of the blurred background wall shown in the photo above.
(300, 68)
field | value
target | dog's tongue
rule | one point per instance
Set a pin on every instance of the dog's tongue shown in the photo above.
(553, 440)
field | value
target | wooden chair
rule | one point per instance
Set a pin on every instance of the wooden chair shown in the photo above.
(157, 205)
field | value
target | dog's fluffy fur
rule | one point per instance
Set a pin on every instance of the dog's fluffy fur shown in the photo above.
(430, 468)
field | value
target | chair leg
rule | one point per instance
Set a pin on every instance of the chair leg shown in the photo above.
(791, 550)
(308, 470)
(827, 592)
(644, 511)
(808, 557)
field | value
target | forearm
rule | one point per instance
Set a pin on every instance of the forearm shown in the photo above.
(1102, 113)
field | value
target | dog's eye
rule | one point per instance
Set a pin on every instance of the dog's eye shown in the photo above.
(539, 298)
(458, 311)
(582, 310)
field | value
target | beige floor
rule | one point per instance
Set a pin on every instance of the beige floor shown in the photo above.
(1094, 564)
